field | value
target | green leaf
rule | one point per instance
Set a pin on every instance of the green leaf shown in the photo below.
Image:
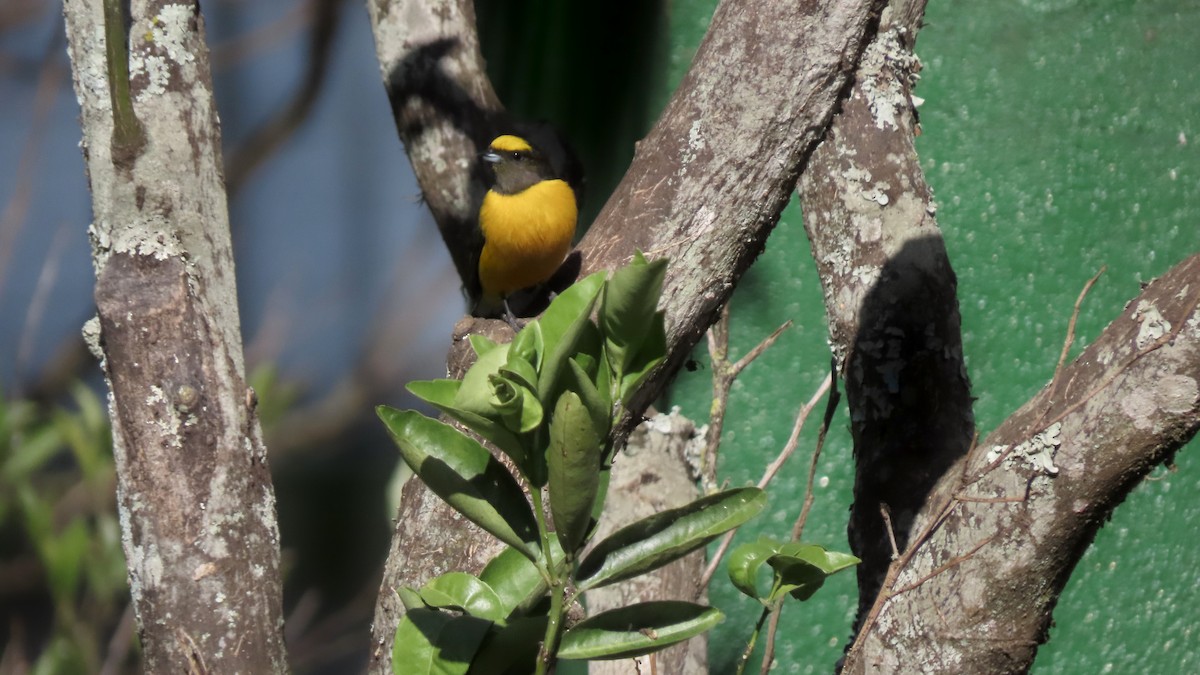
(801, 569)
(410, 598)
(829, 562)
(519, 408)
(520, 371)
(565, 311)
(511, 650)
(573, 463)
(797, 577)
(480, 343)
(465, 475)
(645, 358)
(630, 300)
(515, 580)
(663, 537)
(441, 394)
(746, 560)
(465, 592)
(475, 393)
(595, 399)
(565, 323)
(637, 629)
(527, 344)
(429, 642)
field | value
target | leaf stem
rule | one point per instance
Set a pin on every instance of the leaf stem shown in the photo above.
(741, 669)
(546, 656)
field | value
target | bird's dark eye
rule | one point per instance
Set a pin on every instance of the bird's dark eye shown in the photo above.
(516, 156)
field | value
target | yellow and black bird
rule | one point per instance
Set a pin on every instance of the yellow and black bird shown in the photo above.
(527, 219)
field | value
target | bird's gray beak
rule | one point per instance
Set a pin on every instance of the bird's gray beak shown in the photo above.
(490, 157)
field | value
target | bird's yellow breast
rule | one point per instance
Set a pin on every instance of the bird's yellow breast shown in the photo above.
(526, 235)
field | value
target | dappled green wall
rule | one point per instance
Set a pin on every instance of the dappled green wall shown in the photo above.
(1059, 136)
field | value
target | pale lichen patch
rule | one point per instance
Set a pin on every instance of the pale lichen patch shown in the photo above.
(1172, 394)
(885, 61)
(170, 31)
(1152, 325)
(1037, 452)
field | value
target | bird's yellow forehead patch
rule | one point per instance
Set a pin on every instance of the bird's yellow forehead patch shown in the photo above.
(511, 144)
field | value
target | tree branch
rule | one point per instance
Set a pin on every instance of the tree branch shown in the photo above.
(987, 539)
(194, 492)
(445, 108)
(1043, 483)
(705, 188)
(890, 295)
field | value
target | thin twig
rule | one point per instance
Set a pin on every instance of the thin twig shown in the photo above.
(724, 374)
(891, 532)
(794, 439)
(264, 141)
(809, 495)
(1070, 339)
(809, 498)
(769, 474)
(769, 646)
(37, 303)
(12, 218)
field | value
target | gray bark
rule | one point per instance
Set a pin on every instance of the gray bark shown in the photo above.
(705, 188)
(195, 497)
(987, 537)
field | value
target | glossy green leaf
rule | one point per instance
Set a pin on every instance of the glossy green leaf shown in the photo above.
(512, 649)
(409, 597)
(565, 323)
(595, 399)
(573, 463)
(645, 358)
(480, 344)
(801, 569)
(829, 562)
(518, 406)
(563, 314)
(526, 345)
(429, 642)
(637, 629)
(628, 308)
(441, 394)
(798, 569)
(799, 578)
(465, 475)
(745, 561)
(520, 371)
(601, 495)
(475, 393)
(464, 592)
(663, 537)
(515, 580)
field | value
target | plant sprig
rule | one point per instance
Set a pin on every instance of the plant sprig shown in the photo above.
(548, 400)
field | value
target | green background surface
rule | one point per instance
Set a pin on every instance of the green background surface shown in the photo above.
(1059, 137)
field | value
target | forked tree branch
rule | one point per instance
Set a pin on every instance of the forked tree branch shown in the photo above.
(988, 540)
(705, 188)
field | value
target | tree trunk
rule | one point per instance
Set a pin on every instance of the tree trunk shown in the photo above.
(194, 491)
